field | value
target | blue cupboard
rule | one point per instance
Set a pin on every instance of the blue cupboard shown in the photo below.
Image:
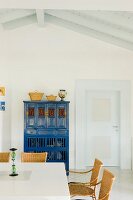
(46, 128)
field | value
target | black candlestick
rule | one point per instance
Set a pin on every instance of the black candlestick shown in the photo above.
(13, 156)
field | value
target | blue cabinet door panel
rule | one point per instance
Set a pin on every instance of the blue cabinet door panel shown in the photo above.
(51, 113)
(41, 116)
(30, 115)
(61, 116)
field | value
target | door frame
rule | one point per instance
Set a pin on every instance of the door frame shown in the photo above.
(122, 86)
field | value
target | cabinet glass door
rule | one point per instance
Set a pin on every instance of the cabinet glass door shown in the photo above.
(51, 115)
(30, 115)
(61, 116)
(41, 116)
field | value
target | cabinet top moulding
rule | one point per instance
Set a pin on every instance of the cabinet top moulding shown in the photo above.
(46, 101)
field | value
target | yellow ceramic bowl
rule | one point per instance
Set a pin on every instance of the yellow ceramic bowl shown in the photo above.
(51, 98)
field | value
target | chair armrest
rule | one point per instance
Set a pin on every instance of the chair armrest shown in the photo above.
(84, 172)
(87, 183)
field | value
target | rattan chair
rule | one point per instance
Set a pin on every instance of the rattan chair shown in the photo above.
(4, 156)
(33, 157)
(91, 184)
(94, 172)
(84, 191)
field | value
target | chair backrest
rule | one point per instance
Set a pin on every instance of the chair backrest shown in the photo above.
(33, 157)
(96, 168)
(106, 184)
(4, 156)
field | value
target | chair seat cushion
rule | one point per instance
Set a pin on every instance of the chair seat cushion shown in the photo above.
(80, 190)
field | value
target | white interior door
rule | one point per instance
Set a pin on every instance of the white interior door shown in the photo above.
(102, 127)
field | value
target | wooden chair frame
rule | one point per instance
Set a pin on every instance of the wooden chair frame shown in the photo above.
(33, 157)
(105, 188)
(4, 156)
(95, 172)
(94, 177)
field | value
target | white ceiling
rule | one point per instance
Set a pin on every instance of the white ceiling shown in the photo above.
(114, 5)
(115, 27)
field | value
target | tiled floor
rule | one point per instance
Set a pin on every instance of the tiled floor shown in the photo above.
(122, 187)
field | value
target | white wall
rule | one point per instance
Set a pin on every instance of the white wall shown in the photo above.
(50, 58)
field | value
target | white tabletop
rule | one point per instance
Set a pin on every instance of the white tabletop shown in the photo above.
(35, 181)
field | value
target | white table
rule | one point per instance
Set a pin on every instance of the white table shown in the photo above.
(37, 181)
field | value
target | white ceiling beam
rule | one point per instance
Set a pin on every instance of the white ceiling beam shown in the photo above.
(92, 33)
(20, 22)
(94, 24)
(120, 18)
(40, 17)
(116, 5)
(10, 15)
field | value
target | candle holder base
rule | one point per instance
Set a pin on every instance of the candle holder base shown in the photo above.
(13, 174)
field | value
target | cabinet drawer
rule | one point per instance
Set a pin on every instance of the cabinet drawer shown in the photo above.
(46, 132)
(62, 132)
(30, 131)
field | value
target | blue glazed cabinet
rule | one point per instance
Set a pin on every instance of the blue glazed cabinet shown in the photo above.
(46, 128)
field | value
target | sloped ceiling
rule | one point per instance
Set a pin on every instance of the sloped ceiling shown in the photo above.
(115, 27)
(114, 5)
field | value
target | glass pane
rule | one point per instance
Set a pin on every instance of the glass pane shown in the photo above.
(41, 122)
(61, 112)
(51, 112)
(41, 112)
(31, 112)
(31, 121)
